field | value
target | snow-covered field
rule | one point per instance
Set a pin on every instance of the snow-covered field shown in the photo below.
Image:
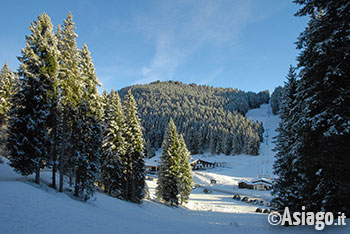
(28, 208)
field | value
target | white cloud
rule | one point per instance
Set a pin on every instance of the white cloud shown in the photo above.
(179, 28)
(212, 76)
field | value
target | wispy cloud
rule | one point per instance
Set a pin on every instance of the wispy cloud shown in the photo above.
(181, 28)
(212, 76)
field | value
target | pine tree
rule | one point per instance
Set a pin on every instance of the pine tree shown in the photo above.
(90, 81)
(185, 179)
(168, 185)
(237, 143)
(134, 158)
(288, 181)
(324, 90)
(276, 98)
(28, 141)
(7, 88)
(71, 92)
(8, 82)
(150, 151)
(87, 132)
(114, 145)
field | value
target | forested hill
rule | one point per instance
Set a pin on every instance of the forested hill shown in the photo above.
(208, 117)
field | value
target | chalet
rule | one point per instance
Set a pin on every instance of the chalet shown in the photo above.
(257, 184)
(152, 166)
(201, 164)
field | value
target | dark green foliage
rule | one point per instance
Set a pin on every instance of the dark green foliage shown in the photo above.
(175, 180)
(286, 185)
(28, 141)
(114, 144)
(71, 89)
(133, 159)
(87, 135)
(8, 82)
(185, 181)
(7, 89)
(320, 148)
(203, 114)
(276, 100)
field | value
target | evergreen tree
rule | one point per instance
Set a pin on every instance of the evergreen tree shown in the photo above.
(324, 91)
(288, 181)
(28, 141)
(150, 151)
(71, 92)
(90, 81)
(134, 158)
(276, 99)
(317, 151)
(114, 145)
(168, 184)
(7, 88)
(185, 179)
(8, 82)
(87, 132)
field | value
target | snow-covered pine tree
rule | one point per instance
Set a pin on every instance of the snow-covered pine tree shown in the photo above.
(286, 186)
(28, 141)
(168, 187)
(276, 98)
(90, 82)
(227, 143)
(7, 89)
(252, 142)
(114, 145)
(8, 81)
(185, 178)
(87, 133)
(237, 143)
(213, 140)
(91, 101)
(71, 92)
(324, 90)
(150, 151)
(134, 158)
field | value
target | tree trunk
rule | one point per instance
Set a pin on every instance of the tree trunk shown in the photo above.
(61, 171)
(77, 181)
(37, 173)
(54, 158)
(54, 169)
(62, 156)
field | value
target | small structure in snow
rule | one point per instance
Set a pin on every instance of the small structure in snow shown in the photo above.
(201, 164)
(152, 166)
(257, 184)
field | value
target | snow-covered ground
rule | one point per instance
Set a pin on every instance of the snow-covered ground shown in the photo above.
(28, 208)
(237, 168)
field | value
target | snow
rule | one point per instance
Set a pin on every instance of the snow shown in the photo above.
(28, 208)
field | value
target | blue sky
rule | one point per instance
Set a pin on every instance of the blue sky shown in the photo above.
(245, 44)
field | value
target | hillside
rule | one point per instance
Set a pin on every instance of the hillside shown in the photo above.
(209, 118)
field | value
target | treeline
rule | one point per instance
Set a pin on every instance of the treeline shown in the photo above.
(54, 116)
(209, 118)
(312, 161)
(277, 99)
